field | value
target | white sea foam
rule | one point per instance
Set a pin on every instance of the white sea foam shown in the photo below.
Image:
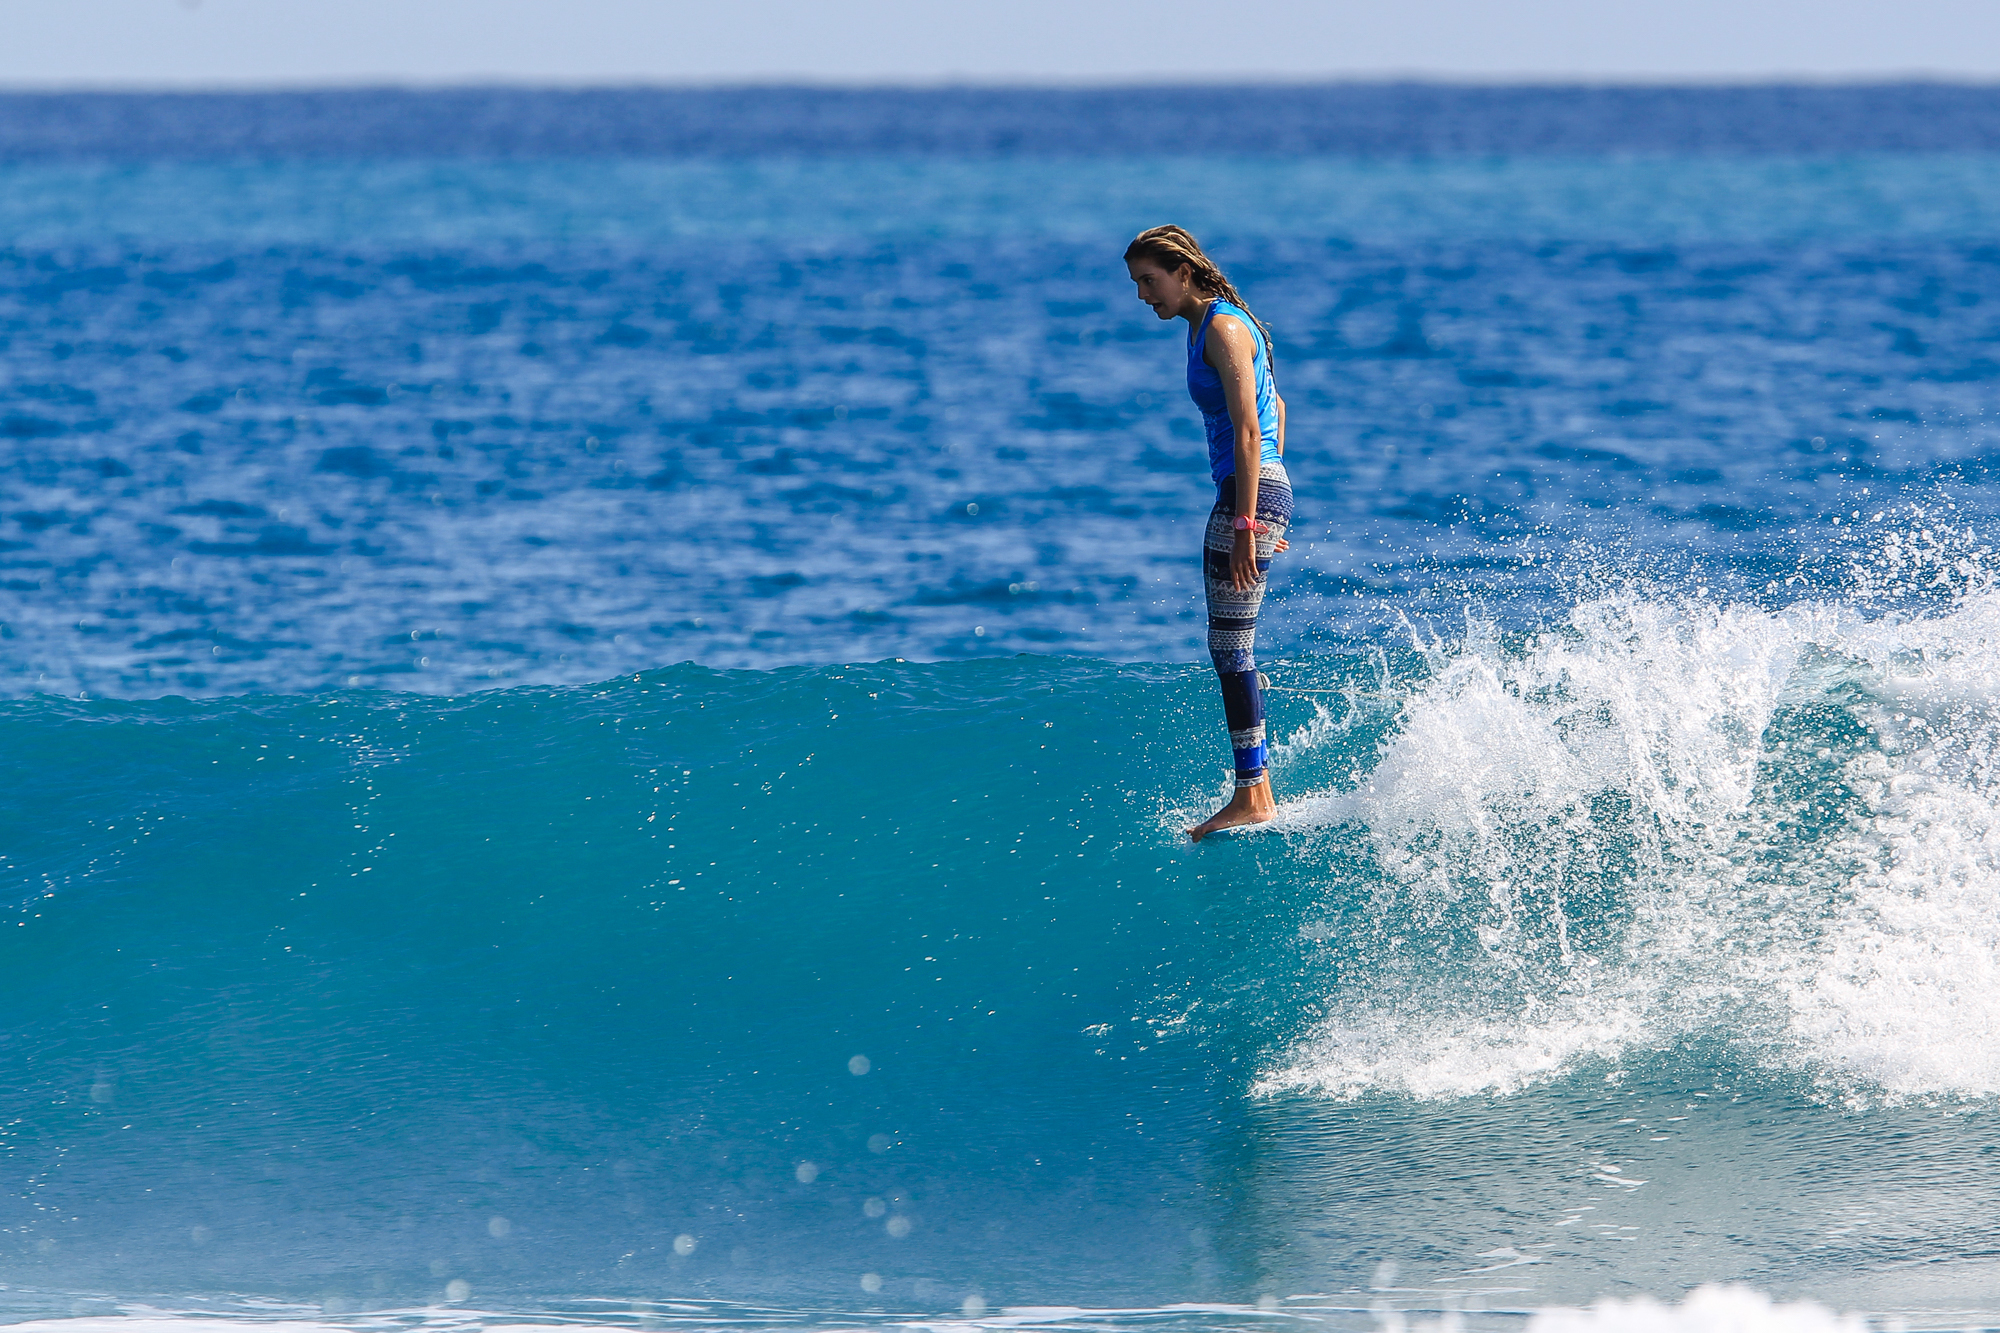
(1668, 819)
(1906, 991)
(1706, 1310)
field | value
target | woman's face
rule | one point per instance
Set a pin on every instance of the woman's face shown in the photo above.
(1170, 294)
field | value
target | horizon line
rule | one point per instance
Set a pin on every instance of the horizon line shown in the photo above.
(1022, 83)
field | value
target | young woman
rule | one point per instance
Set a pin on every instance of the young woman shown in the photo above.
(1229, 378)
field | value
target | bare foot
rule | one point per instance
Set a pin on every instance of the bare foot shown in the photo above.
(1250, 805)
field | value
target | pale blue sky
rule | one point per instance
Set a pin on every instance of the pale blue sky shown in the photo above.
(276, 42)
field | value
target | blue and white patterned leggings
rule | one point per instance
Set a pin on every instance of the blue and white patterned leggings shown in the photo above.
(1232, 615)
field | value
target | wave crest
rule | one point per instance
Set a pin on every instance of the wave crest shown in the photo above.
(1666, 820)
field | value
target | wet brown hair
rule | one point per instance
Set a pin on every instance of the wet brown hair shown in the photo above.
(1170, 247)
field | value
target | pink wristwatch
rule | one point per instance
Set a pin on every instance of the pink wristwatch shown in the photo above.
(1244, 523)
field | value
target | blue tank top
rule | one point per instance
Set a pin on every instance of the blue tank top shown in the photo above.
(1205, 387)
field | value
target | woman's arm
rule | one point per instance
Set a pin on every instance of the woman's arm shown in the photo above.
(1233, 353)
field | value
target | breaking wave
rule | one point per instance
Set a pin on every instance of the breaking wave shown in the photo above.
(1665, 820)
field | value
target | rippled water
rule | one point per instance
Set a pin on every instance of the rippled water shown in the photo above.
(445, 424)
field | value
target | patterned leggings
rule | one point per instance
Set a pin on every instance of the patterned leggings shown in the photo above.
(1232, 616)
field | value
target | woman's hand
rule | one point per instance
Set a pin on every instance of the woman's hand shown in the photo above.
(1243, 561)
(1243, 558)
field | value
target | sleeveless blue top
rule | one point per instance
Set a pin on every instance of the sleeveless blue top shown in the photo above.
(1205, 387)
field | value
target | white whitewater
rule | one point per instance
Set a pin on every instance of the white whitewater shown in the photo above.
(1668, 819)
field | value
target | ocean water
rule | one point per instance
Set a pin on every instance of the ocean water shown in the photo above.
(598, 728)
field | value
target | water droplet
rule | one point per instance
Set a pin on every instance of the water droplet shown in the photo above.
(684, 1244)
(457, 1289)
(871, 1283)
(498, 1227)
(974, 1307)
(807, 1172)
(897, 1227)
(874, 1208)
(859, 1065)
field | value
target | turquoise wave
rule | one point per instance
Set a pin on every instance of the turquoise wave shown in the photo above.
(897, 982)
(350, 977)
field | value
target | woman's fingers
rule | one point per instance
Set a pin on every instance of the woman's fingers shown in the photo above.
(1281, 545)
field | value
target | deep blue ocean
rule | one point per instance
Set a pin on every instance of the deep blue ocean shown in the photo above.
(599, 690)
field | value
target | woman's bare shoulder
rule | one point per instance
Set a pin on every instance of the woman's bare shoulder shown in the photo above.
(1227, 335)
(1228, 327)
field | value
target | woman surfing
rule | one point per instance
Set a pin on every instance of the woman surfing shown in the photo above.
(1229, 378)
